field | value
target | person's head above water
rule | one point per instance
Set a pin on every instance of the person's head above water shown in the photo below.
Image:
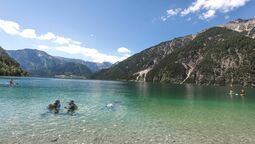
(71, 102)
(57, 101)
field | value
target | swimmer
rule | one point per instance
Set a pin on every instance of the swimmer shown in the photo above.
(242, 93)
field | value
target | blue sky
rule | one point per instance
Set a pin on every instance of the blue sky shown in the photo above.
(109, 30)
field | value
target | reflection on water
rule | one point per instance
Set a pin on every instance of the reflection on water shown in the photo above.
(124, 112)
(189, 89)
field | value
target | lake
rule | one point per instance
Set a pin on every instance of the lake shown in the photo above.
(140, 113)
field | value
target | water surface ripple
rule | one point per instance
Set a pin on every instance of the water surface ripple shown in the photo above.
(141, 113)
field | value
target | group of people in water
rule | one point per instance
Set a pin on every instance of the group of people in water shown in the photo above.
(55, 107)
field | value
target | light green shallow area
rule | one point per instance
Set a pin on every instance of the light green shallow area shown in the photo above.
(141, 113)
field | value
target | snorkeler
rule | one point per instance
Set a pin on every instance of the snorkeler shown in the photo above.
(56, 106)
(72, 107)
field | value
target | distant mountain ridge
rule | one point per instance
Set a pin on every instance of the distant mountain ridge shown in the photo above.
(39, 63)
(93, 66)
(8, 66)
(220, 55)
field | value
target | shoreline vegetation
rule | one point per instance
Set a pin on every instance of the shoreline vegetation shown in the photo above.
(133, 81)
(8, 66)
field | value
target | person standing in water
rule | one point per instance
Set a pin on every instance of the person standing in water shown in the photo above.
(242, 93)
(55, 106)
(72, 107)
(231, 92)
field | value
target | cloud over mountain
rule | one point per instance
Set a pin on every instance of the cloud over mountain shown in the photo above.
(61, 43)
(206, 9)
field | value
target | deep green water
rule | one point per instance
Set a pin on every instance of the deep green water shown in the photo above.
(141, 113)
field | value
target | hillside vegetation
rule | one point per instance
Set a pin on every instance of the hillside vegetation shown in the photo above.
(219, 55)
(8, 66)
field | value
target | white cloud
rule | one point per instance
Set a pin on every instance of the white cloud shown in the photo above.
(9, 27)
(170, 13)
(123, 50)
(62, 40)
(207, 15)
(91, 53)
(196, 6)
(13, 28)
(63, 44)
(28, 33)
(43, 47)
(163, 18)
(76, 42)
(48, 36)
(207, 9)
(173, 12)
(65, 41)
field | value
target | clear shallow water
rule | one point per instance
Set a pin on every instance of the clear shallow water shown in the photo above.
(142, 113)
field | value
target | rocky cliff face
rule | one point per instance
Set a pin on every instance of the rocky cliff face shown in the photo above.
(219, 55)
(136, 67)
(246, 27)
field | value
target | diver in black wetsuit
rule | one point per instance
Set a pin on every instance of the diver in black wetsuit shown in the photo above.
(56, 106)
(72, 107)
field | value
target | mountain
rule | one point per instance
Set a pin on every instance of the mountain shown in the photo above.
(219, 55)
(8, 66)
(136, 66)
(93, 66)
(39, 63)
(216, 56)
(246, 27)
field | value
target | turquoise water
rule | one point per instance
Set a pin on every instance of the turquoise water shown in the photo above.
(141, 113)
